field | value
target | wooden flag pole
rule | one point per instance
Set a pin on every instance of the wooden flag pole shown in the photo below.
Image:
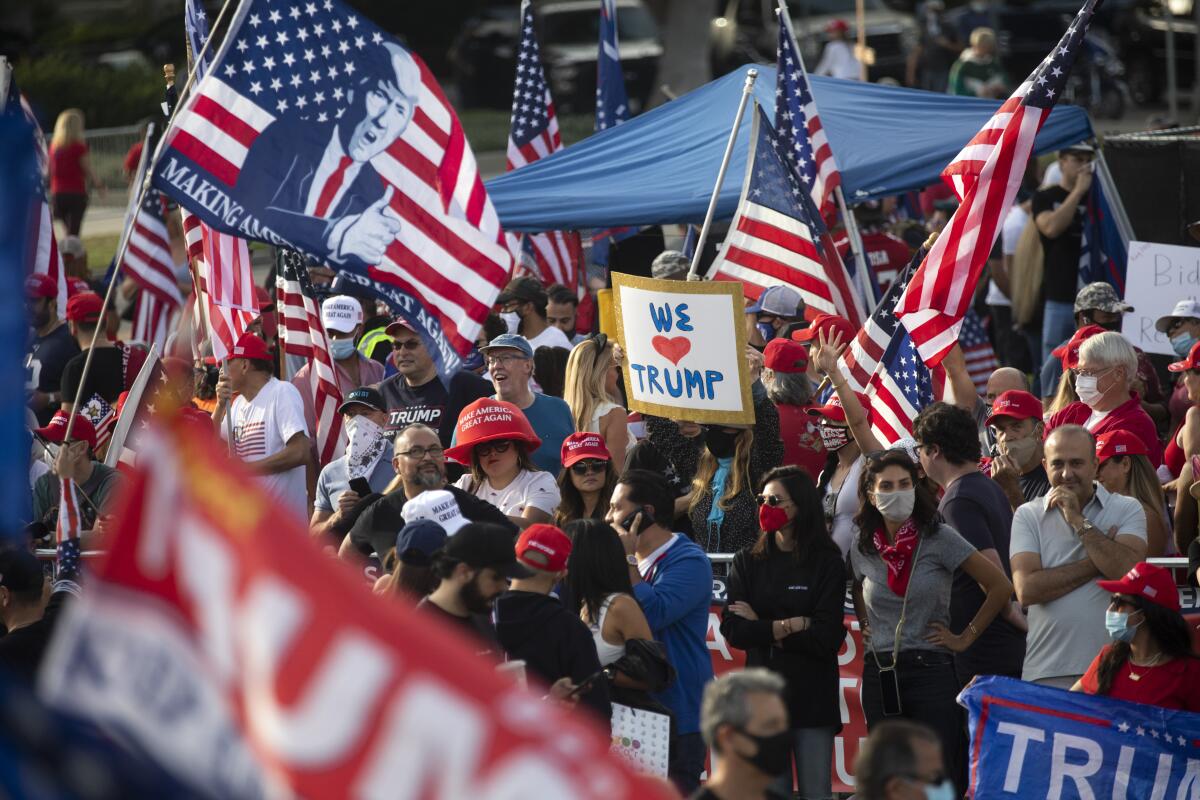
(141, 195)
(747, 88)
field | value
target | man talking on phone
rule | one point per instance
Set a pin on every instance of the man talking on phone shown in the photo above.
(672, 582)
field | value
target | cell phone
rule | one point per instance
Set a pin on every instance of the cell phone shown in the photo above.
(589, 681)
(889, 692)
(627, 523)
(360, 487)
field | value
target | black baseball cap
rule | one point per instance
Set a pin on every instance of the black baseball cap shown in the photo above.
(418, 541)
(363, 396)
(21, 572)
(526, 289)
(485, 544)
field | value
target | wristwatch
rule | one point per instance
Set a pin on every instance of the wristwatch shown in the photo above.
(631, 560)
(1079, 529)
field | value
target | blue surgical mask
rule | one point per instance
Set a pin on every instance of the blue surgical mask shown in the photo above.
(1119, 629)
(341, 349)
(1182, 344)
(941, 791)
(767, 332)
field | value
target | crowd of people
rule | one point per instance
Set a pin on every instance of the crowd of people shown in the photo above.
(521, 502)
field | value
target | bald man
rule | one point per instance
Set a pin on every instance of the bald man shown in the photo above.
(1060, 545)
(1002, 380)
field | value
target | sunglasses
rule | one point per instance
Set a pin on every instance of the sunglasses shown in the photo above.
(407, 344)
(487, 448)
(589, 466)
(770, 500)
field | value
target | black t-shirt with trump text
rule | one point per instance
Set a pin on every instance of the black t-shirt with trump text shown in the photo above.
(430, 403)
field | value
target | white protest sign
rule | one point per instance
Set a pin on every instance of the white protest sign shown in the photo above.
(1158, 277)
(684, 348)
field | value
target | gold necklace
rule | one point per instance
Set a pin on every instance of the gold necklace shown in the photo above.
(1133, 676)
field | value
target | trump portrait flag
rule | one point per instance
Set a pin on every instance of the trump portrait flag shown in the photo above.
(315, 130)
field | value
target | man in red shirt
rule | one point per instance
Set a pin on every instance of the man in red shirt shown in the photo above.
(1107, 368)
(785, 363)
(887, 254)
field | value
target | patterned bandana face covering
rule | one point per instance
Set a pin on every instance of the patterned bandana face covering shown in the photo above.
(366, 444)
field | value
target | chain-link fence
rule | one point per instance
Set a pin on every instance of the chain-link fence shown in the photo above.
(107, 148)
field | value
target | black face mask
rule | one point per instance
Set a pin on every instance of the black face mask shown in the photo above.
(774, 752)
(720, 443)
(1115, 325)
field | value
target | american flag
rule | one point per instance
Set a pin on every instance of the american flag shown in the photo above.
(148, 262)
(223, 281)
(43, 256)
(882, 363)
(985, 175)
(284, 76)
(777, 236)
(612, 103)
(796, 118)
(977, 348)
(534, 134)
(303, 334)
(67, 533)
(102, 416)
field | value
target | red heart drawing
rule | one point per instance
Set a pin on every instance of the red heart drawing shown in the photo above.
(672, 349)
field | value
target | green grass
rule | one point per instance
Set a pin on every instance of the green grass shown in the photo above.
(101, 249)
(487, 129)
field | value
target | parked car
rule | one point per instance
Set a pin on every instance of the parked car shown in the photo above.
(750, 25)
(483, 56)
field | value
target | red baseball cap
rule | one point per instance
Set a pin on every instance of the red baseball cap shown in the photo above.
(833, 410)
(85, 307)
(827, 324)
(1191, 362)
(1119, 443)
(783, 355)
(1015, 404)
(77, 286)
(543, 547)
(41, 285)
(584, 444)
(1147, 581)
(250, 346)
(1069, 352)
(56, 430)
(396, 324)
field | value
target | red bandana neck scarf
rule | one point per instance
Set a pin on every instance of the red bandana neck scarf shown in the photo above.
(898, 556)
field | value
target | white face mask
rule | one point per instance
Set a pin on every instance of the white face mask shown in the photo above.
(512, 320)
(1088, 389)
(896, 506)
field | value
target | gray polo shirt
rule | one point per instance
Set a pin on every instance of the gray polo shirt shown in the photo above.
(1067, 633)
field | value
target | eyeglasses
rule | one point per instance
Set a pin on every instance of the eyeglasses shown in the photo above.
(504, 359)
(418, 453)
(407, 344)
(1092, 373)
(589, 466)
(770, 500)
(487, 448)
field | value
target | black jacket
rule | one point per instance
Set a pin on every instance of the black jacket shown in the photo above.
(553, 643)
(777, 587)
(376, 528)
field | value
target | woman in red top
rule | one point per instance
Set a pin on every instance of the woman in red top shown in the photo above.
(1151, 659)
(789, 388)
(70, 170)
(1185, 441)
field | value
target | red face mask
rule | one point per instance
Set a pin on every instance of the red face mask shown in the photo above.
(771, 518)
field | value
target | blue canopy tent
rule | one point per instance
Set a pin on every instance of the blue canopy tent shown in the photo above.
(660, 167)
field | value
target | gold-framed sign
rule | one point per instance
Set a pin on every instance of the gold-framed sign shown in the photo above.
(685, 344)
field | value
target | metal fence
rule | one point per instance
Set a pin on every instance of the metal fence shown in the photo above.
(107, 148)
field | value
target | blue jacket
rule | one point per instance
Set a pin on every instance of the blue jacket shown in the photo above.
(675, 602)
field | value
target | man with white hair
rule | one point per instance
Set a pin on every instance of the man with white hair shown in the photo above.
(329, 191)
(1103, 380)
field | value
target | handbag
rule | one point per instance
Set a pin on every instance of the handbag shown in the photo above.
(646, 661)
(889, 679)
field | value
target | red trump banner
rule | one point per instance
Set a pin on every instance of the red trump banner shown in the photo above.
(218, 639)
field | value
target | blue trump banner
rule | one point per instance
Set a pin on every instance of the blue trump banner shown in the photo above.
(412, 311)
(312, 129)
(1033, 741)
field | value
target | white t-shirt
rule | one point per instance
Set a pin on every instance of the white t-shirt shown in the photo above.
(536, 489)
(1010, 233)
(1095, 419)
(551, 337)
(838, 61)
(262, 428)
(846, 506)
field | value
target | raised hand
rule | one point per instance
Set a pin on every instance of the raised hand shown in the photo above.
(370, 234)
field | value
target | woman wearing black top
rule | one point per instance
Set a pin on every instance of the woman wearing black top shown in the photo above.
(786, 605)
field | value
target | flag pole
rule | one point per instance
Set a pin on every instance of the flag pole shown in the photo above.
(141, 195)
(747, 89)
(858, 250)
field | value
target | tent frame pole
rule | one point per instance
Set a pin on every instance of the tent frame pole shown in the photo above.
(747, 89)
(858, 251)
